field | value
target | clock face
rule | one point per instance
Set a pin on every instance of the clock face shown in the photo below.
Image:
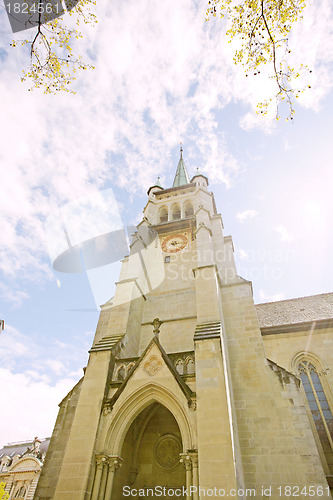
(174, 243)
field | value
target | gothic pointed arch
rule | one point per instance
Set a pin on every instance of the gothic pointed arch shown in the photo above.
(317, 394)
(311, 356)
(151, 453)
(135, 404)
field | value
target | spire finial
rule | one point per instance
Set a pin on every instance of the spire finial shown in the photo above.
(158, 182)
(156, 323)
(181, 177)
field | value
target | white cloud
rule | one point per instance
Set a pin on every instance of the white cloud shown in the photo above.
(14, 346)
(134, 105)
(30, 406)
(287, 146)
(311, 44)
(34, 378)
(60, 344)
(284, 234)
(246, 214)
(23, 353)
(55, 365)
(252, 120)
(161, 75)
(266, 297)
(13, 296)
(243, 255)
(37, 376)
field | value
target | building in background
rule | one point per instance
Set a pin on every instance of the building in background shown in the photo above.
(189, 383)
(20, 467)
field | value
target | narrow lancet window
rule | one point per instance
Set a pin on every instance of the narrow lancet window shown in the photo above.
(320, 409)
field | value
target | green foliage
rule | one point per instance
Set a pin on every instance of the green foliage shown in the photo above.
(53, 65)
(263, 28)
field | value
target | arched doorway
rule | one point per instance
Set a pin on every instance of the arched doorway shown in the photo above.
(150, 453)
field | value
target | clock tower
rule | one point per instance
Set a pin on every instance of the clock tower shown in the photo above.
(178, 392)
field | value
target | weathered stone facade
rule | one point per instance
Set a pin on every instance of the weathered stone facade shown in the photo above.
(20, 467)
(188, 382)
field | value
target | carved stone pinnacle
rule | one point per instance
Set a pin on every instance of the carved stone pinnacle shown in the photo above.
(156, 324)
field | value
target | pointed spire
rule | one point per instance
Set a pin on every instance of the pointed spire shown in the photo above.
(181, 177)
(156, 185)
(158, 182)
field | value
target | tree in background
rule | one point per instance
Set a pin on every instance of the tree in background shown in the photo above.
(263, 27)
(52, 65)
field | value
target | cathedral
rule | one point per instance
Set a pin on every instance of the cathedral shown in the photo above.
(191, 390)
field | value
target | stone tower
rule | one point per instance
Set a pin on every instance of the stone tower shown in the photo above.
(178, 392)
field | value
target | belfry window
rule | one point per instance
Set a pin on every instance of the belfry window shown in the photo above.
(163, 214)
(176, 214)
(319, 406)
(188, 208)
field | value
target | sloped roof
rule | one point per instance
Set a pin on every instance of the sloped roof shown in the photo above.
(293, 311)
(12, 449)
(154, 341)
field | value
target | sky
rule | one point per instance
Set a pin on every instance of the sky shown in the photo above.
(85, 161)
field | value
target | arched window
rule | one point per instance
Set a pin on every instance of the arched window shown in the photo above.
(20, 493)
(188, 209)
(190, 366)
(180, 366)
(163, 213)
(319, 406)
(130, 367)
(121, 373)
(176, 214)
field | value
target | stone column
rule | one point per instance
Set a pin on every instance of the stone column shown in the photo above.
(103, 481)
(186, 461)
(114, 463)
(182, 211)
(195, 474)
(100, 461)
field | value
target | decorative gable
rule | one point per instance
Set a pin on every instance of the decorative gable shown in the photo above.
(154, 365)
